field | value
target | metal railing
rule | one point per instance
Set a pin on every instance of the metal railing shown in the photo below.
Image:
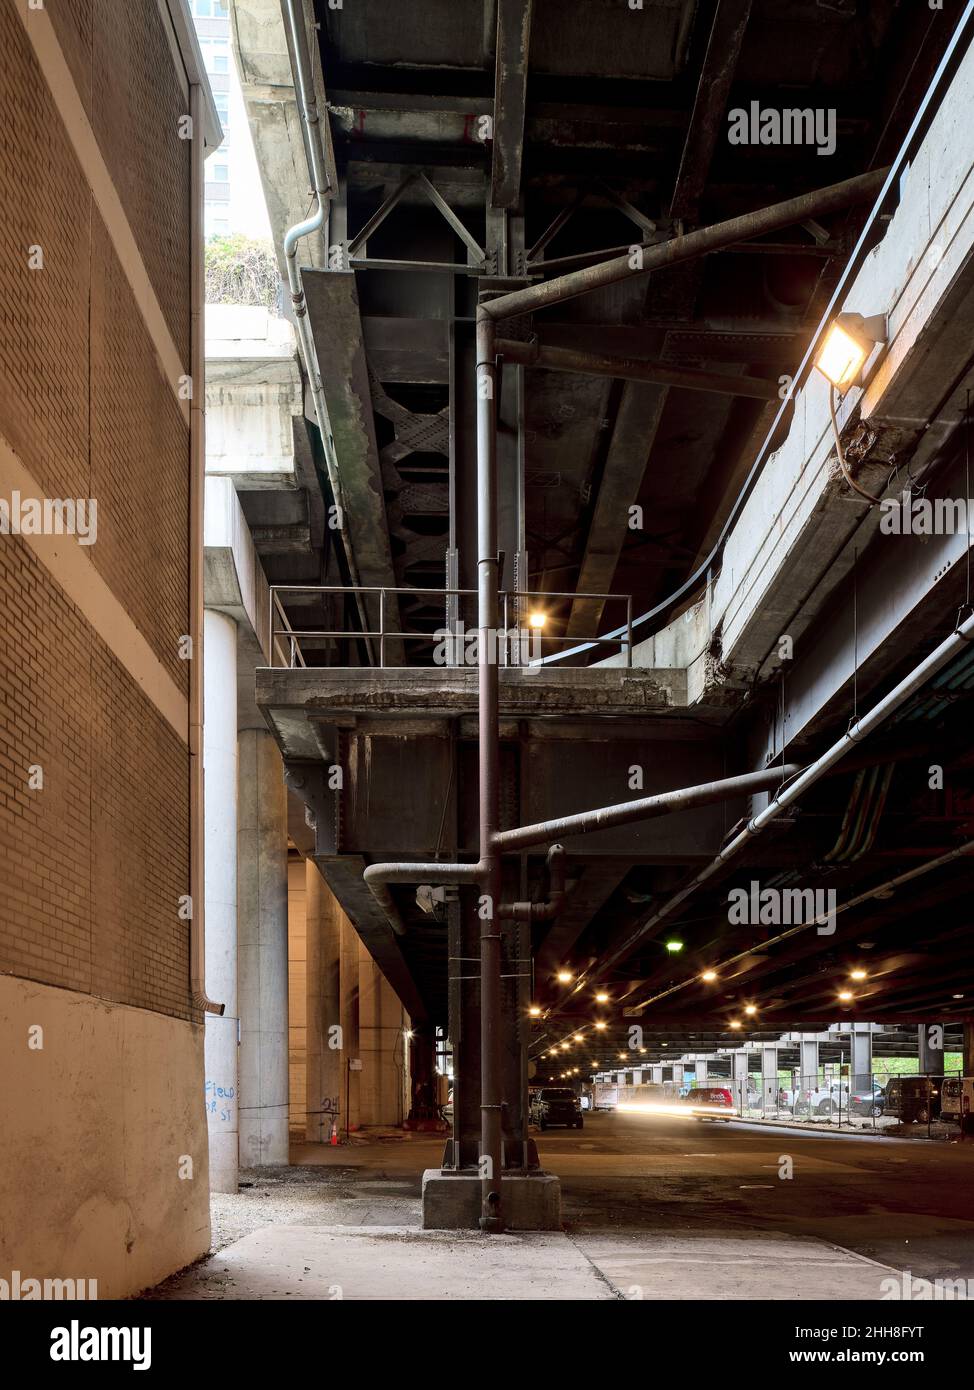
(512, 644)
(873, 1101)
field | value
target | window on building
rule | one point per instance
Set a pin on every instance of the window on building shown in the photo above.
(220, 173)
(221, 62)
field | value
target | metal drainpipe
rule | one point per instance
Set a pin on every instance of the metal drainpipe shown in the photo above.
(197, 484)
(491, 1154)
(304, 88)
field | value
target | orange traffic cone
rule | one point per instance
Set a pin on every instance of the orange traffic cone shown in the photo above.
(334, 1132)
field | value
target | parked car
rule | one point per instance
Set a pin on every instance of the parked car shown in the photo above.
(714, 1098)
(835, 1098)
(913, 1099)
(556, 1105)
(951, 1098)
(822, 1101)
(870, 1102)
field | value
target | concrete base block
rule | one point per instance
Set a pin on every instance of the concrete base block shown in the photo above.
(452, 1202)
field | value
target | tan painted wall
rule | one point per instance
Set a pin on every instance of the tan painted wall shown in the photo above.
(297, 997)
(371, 1016)
(381, 1046)
(97, 1124)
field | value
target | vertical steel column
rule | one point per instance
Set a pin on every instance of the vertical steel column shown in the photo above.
(491, 1153)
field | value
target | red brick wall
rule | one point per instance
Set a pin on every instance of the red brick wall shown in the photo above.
(92, 866)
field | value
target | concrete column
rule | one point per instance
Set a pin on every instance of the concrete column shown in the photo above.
(739, 1080)
(349, 998)
(861, 1059)
(678, 1073)
(422, 1084)
(637, 1077)
(700, 1070)
(325, 1073)
(769, 1076)
(657, 1074)
(220, 899)
(381, 1045)
(262, 951)
(808, 1062)
(930, 1037)
(969, 1049)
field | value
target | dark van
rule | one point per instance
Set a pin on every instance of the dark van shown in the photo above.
(912, 1099)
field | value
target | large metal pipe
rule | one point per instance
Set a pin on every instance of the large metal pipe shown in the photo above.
(197, 486)
(556, 359)
(491, 1149)
(645, 808)
(818, 203)
(961, 637)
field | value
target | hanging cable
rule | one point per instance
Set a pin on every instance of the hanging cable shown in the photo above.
(841, 454)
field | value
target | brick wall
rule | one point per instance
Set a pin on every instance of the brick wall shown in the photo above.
(92, 866)
(125, 76)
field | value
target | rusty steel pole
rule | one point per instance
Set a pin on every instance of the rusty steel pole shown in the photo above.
(491, 1154)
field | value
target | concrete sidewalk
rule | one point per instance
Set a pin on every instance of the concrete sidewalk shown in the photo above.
(402, 1263)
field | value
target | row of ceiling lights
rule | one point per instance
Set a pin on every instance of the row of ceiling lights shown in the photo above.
(708, 977)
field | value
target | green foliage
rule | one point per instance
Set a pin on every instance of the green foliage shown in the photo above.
(241, 270)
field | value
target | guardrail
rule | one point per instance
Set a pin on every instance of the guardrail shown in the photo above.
(513, 644)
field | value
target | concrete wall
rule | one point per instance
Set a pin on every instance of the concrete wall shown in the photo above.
(104, 1171)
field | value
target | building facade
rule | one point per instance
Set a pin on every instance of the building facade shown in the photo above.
(104, 1173)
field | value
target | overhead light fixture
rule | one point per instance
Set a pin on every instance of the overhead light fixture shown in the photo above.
(750, 1008)
(622, 1056)
(709, 976)
(841, 358)
(846, 346)
(601, 997)
(565, 977)
(857, 974)
(674, 946)
(845, 995)
(600, 1026)
(734, 1023)
(535, 1011)
(537, 619)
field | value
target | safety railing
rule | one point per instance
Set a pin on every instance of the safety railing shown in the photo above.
(520, 644)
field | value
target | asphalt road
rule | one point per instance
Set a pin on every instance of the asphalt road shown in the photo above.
(905, 1202)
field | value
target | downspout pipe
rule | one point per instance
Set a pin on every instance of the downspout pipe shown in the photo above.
(859, 729)
(197, 486)
(304, 89)
(488, 722)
